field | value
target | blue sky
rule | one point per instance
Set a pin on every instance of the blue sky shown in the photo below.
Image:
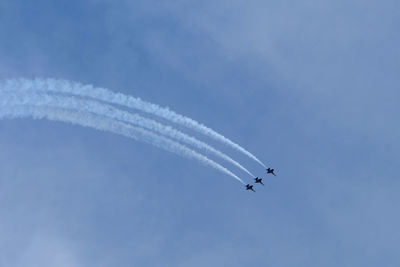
(311, 88)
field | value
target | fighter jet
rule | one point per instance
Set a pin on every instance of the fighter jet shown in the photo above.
(271, 171)
(250, 187)
(258, 180)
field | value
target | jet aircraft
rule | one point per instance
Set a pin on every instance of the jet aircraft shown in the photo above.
(258, 180)
(250, 187)
(271, 171)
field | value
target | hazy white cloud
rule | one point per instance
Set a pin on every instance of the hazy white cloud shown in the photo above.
(338, 58)
(37, 248)
(43, 251)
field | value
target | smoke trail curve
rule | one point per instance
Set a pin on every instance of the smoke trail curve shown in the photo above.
(65, 102)
(105, 95)
(93, 121)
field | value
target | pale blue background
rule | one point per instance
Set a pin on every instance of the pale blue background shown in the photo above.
(310, 87)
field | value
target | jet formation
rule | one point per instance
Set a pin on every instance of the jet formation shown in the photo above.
(259, 180)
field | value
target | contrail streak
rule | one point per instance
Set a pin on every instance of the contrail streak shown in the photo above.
(63, 86)
(101, 123)
(42, 99)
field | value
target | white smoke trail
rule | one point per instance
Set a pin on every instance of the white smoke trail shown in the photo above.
(39, 99)
(63, 86)
(100, 123)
